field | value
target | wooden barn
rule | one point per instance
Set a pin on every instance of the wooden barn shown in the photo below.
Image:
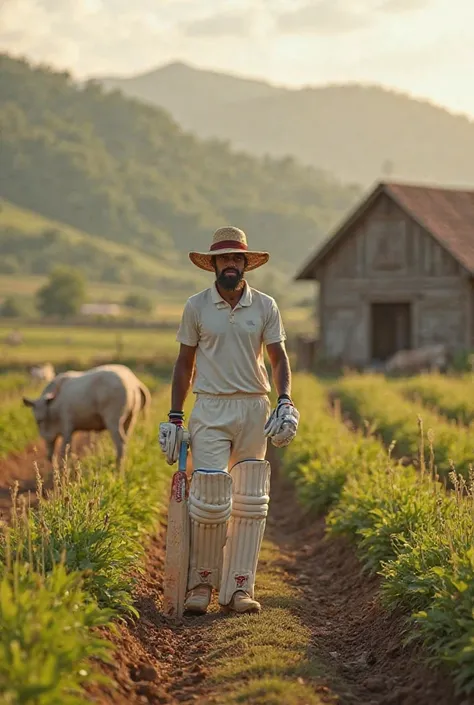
(397, 274)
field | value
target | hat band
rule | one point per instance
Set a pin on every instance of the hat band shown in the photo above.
(229, 244)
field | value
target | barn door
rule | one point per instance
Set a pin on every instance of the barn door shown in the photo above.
(391, 329)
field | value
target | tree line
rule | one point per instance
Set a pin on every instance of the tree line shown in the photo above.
(127, 172)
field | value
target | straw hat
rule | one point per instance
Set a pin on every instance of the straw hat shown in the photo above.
(226, 241)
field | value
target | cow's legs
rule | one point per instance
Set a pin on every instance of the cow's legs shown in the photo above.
(66, 441)
(119, 438)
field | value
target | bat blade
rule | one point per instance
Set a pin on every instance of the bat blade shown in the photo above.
(175, 576)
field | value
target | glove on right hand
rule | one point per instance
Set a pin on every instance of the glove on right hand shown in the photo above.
(283, 422)
(170, 436)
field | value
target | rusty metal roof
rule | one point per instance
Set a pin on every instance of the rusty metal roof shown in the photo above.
(446, 213)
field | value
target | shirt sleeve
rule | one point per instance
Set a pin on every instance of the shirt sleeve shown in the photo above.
(188, 331)
(274, 331)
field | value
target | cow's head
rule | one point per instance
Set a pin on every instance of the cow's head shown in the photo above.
(47, 420)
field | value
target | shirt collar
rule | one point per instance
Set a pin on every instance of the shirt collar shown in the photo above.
(245, 299)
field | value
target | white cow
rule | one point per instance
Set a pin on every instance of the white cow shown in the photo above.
(429, 357)
(108, 397)
(44, 373)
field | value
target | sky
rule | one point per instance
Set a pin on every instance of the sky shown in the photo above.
(421, 47)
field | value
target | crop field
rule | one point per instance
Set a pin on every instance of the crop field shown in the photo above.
(366, 576)
(86, 346)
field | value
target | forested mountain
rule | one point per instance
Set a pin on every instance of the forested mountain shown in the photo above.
(126, 172)
(359, 133)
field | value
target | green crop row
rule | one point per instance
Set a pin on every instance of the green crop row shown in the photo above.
(407, 528)
(371, 399)
(452, 397)
(86, 540)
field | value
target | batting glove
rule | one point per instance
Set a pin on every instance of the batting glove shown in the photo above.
(283, 422)
(171, 434)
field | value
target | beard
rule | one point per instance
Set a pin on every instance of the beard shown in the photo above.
(229, 279)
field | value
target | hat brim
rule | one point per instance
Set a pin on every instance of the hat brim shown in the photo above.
(203, 260)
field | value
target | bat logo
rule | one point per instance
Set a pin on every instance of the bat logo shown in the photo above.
(178, 487)
(204, 575)
(240, 580)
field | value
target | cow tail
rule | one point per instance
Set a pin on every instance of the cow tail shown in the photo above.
(145, 400)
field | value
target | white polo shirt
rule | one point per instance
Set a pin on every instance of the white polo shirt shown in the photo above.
(229, 357)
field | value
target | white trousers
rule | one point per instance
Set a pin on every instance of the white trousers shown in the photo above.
(226, 429)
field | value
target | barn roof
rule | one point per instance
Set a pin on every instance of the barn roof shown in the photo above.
(447, 214)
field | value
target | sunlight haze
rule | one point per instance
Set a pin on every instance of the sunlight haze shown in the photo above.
(422, 47)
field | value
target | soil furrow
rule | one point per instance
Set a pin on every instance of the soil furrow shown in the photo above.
(361, 642)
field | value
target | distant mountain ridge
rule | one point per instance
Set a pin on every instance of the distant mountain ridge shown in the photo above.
(358, 133)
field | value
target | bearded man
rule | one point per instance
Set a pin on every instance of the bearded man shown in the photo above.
(222, 334)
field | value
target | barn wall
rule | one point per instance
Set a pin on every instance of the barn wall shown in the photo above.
(388, 257)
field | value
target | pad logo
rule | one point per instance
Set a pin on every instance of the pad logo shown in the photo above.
(178, 487)
(241, 580)
(204, 575)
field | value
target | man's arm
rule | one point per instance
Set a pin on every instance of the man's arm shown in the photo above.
(281, 371)
(182, 376)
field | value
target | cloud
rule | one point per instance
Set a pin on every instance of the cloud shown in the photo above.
(229, 24)
(342, 16)
(325, 17)
(398, 6)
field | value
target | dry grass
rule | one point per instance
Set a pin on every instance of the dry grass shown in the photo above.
(265, 659)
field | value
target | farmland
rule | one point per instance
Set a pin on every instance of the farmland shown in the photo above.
(366, 576)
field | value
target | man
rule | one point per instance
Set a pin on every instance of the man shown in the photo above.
(221, 335)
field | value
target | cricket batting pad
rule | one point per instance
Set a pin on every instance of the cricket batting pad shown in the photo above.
(251, 485)
(210, 501)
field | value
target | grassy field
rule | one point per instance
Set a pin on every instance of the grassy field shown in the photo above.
(87, 345)
(91, 535)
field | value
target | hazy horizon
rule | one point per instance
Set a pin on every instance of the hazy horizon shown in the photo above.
(423, 48)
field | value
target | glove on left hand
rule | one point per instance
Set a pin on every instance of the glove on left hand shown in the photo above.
(170, 436)
(283, 422)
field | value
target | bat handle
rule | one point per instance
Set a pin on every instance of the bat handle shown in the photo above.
(183, 455)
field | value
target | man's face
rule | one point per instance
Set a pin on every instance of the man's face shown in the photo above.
(230, 270)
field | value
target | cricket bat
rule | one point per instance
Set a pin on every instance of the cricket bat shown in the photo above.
(177, 540)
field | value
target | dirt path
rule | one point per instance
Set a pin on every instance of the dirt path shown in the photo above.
(359, 643)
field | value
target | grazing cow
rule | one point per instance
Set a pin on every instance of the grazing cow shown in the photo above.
(108, 397)
(44, 373)
(430, 358)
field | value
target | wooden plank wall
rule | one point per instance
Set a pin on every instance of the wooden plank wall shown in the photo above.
(388, 257)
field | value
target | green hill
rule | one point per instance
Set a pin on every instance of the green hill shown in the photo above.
(30, 244)
(359, 133)
(127, 173)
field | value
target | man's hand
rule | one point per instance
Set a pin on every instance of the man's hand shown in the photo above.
(171, 435)
(283, 422)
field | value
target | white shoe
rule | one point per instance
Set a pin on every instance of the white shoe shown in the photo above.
(198, 599)
(242, 603)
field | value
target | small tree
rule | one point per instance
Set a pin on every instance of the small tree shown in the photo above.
(64, 293)
(139, 302)
(11, 308)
